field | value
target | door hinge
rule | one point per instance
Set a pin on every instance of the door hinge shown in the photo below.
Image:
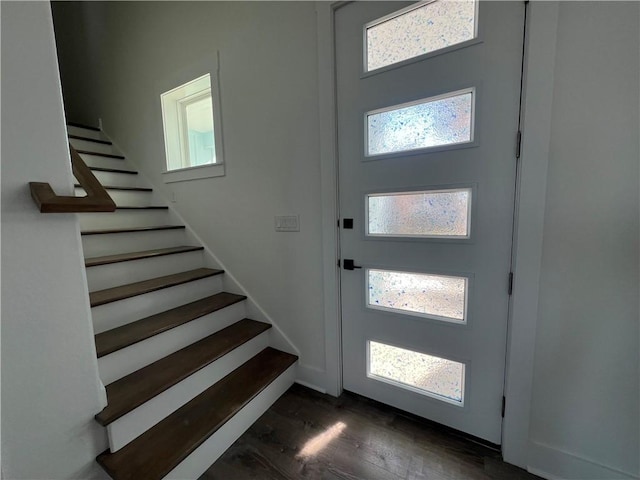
(504, 405)
(510, 283)
(338, 263)
(518, 143)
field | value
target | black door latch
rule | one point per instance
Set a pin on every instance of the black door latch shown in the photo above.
(348, 264)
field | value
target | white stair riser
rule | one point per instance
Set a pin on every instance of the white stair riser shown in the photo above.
(112, 243)
(211, 449)
(115, 274)
(84, 132)
(123, 362)
(105, 162)
(93, 146)
(122, 312)
(127, 198)
(124, 219)
(136, 422)
(119, 179)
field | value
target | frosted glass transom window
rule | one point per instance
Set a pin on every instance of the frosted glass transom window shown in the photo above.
(422, 294)
(434, 376)
(420, 29)
(429, 214)
(431, 122)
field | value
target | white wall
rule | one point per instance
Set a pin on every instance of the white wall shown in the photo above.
(585, 406)
(50, 386)
(269, 99)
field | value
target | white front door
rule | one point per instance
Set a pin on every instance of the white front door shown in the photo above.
(428, 107)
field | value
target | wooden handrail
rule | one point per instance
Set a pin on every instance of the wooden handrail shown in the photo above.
(96, 200)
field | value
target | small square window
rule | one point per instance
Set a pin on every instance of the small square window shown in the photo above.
(191, 122)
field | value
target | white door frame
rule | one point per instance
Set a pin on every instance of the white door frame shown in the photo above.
(540, 49)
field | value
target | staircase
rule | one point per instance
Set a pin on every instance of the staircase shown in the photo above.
(186, 372)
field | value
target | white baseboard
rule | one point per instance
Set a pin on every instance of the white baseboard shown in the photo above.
(311, 386)
(312, 377)
(553, 463)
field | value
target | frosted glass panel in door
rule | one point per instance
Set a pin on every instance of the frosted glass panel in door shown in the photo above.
(434, 376)
(435, 296)
(430, 122)
(428, 214)
(417, 30)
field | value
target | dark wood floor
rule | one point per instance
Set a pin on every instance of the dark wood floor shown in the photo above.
(307, 435)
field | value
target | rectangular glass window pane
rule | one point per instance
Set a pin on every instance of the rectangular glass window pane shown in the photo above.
(432, 375)
(419, 30)
(441, 213)
(199, 116)
(188, 113)
(432, 122)
(423, 294)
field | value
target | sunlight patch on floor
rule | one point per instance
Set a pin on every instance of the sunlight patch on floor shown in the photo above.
(319, 442)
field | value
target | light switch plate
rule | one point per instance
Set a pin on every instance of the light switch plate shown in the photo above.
(287, 223)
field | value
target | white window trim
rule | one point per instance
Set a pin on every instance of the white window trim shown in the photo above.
(193, 173)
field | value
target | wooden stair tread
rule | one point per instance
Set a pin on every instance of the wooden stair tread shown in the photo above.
(111, 187)
(100, 154)
(112, 170)
(132, 229)
(101, 297)
(80, 125)
(131, 391)
(126, 257)
(89, 139)
(160, 449)
(126, 335)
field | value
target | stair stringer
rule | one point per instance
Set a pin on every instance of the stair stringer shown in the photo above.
(278, 338)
